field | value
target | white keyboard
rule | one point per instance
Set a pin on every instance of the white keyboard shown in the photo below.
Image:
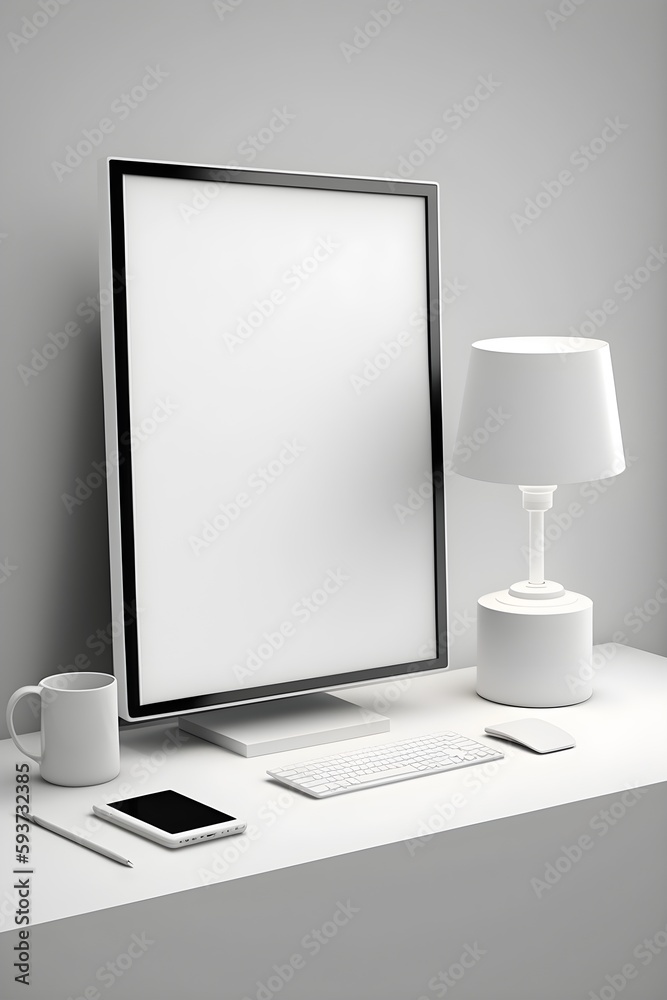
(379, 765)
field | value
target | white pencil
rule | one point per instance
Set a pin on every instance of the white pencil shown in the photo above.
(78, 840)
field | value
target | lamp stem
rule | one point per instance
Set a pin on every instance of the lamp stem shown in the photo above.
(536, 547)
(536, 499)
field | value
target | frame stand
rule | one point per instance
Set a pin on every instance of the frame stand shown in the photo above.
(284, 724)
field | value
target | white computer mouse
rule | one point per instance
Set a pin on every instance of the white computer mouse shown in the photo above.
(536, 734)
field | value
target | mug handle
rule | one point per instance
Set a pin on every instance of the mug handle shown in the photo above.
(16, 697)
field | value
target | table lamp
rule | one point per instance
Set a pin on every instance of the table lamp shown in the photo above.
(559, 425)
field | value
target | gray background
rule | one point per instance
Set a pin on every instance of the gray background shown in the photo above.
(357, 113)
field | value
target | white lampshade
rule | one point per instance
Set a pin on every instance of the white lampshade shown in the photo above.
(539, 410)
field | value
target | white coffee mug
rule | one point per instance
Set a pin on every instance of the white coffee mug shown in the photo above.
(79, 730)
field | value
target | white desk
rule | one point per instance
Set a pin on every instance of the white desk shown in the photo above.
(433, 865)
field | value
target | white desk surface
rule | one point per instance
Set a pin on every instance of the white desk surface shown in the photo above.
(620, 745)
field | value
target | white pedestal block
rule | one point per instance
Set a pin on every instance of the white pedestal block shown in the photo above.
(534, 653)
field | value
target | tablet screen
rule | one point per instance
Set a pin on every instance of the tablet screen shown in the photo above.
(170, 811)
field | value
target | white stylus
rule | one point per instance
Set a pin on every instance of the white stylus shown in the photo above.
(77, 839)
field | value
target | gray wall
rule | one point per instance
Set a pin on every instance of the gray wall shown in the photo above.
(361, 104)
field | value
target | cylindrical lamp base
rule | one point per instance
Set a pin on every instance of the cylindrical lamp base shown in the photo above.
(534, 654)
